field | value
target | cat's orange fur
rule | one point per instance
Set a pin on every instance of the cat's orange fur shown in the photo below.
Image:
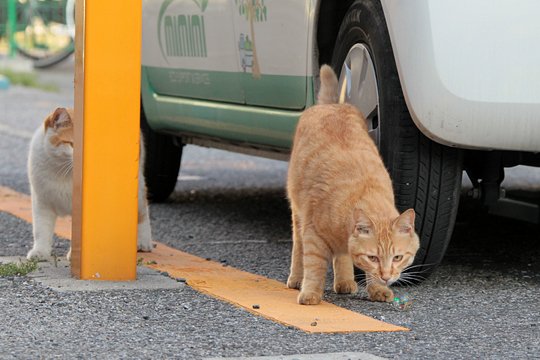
(61, 121)
(342, 204)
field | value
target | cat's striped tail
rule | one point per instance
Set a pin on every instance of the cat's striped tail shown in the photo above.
(328, 92)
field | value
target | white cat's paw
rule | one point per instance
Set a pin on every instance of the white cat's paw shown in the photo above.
(145, 246)
(68, 255)
(39, 254)
(144, 237)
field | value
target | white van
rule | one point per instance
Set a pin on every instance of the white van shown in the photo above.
(446, 86)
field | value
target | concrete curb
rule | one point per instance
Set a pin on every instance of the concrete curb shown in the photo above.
(57, 276)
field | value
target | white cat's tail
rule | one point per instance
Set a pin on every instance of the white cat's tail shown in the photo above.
(328, 92)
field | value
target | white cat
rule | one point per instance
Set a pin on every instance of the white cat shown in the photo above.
(50, 164)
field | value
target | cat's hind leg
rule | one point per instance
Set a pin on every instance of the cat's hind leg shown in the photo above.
(144, 235)
(43, 222)
(297, 264)
(144, 232)
(316, 255)
(344, 275)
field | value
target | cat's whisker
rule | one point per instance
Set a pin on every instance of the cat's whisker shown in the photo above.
(413, 279)
(368, 281)
(69, 168)
(60, 172)
(426, 266)
(405, 279)
(416, 271)
(419, 265)
(62, 168)
(362, 283)
(406, 283)
(370, 278)
(65, 168)
(413, 274)
(65, 171)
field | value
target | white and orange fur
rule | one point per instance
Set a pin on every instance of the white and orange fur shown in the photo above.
(342, 204)
(50, 164)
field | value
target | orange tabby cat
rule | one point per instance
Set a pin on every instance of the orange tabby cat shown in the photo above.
(342, 204)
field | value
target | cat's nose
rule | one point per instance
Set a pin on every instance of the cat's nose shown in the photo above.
(386, 278)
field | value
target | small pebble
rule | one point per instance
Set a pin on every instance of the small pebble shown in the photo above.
(182, 280)
(146, 317)
(314, 323)
(256, 306)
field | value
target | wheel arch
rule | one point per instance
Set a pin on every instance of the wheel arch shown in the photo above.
(329, 18)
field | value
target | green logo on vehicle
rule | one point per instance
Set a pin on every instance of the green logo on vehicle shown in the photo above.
(184, 35)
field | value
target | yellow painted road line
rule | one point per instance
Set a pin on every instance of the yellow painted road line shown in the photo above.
(257, 294)
(260, 295)
(19, 205)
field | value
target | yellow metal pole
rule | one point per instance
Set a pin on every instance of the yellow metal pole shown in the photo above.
(106, 150)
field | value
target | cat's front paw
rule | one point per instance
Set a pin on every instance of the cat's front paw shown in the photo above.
(146, 247)
(380, 293)
(39, 254)
(294, 282)
(346, 287)
(309, 298)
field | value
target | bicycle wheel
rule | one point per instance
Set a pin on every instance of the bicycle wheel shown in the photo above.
(45, 36)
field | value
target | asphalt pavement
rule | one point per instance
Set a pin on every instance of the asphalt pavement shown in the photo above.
(482, 302)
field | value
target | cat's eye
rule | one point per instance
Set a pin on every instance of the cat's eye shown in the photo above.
(398, 258)
(362, 229)
(373, 258)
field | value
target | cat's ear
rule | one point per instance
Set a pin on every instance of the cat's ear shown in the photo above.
(58, 118)
(404, 223)
(363, 225)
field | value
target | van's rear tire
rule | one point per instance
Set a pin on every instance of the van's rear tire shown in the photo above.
(162, 162)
